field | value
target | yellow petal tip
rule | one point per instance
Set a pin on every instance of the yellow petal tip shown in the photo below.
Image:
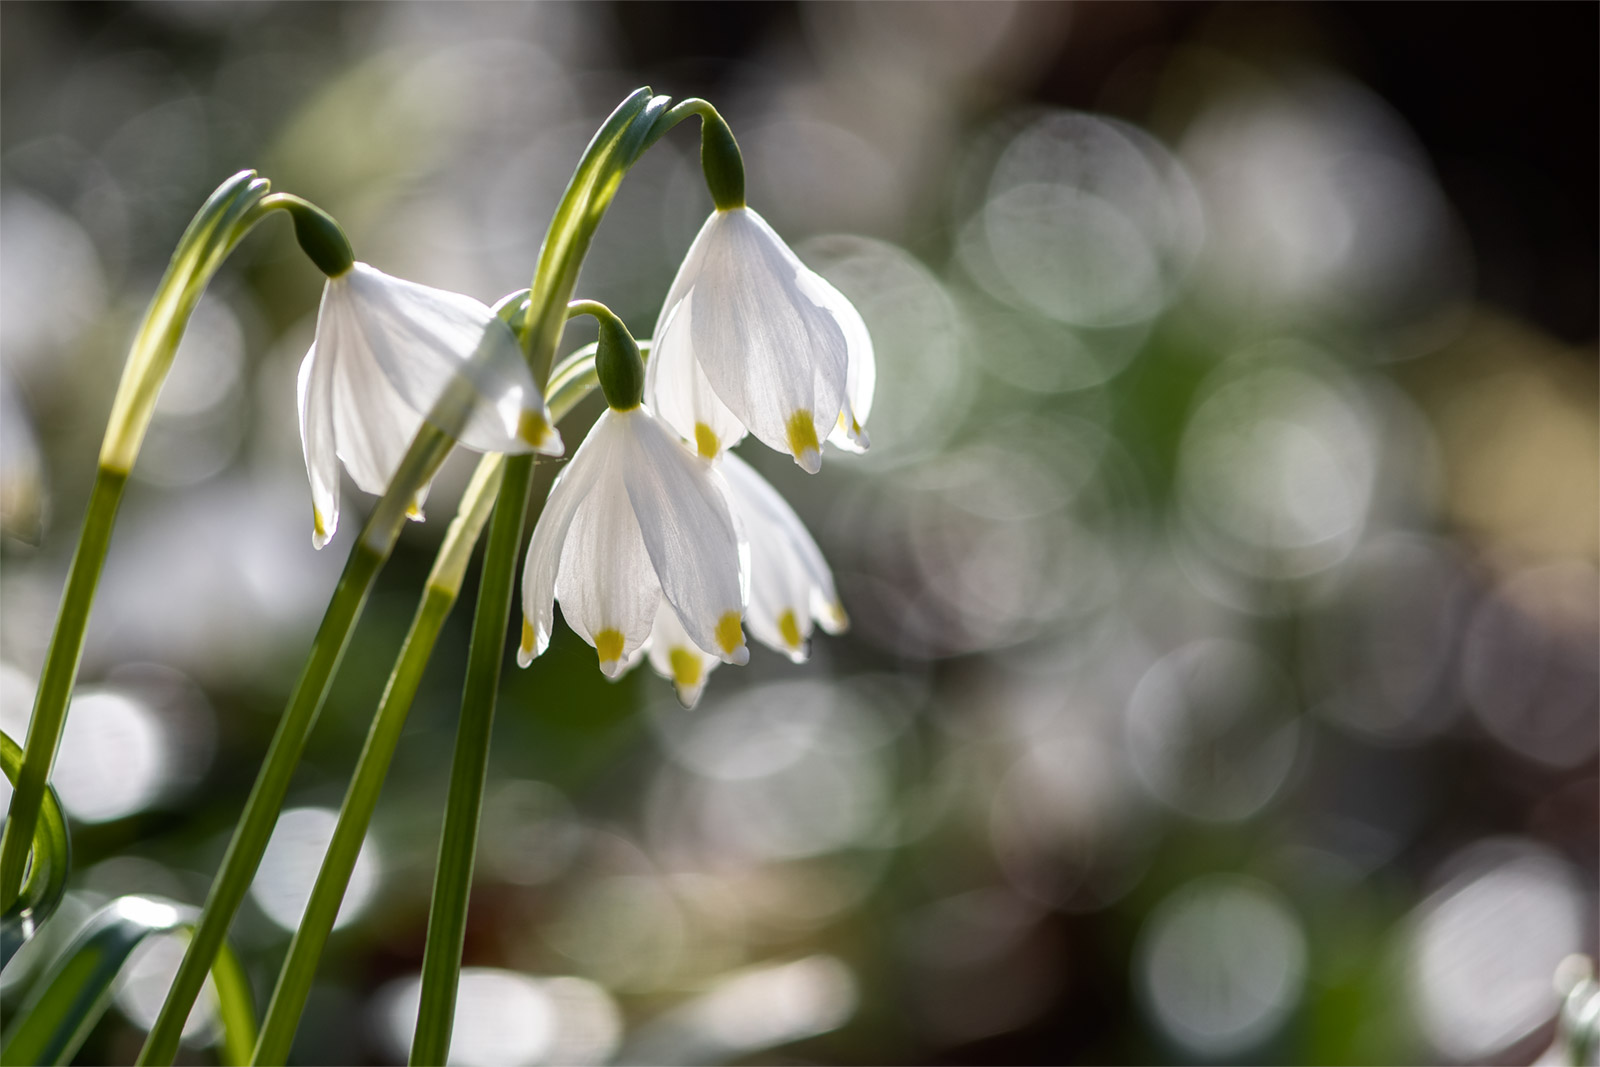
(789, 629)
(730, 638)
(687, 669)
(803, 443)
(706, 441)
(608, 644)
(533, 429)
(525, 649)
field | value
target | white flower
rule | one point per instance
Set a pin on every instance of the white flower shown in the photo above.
(384, 353)
(750, 338)
(790, 584)
(634, 519)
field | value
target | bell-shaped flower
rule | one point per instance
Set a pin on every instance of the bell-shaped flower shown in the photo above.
(386, 352)
(635, 519)
(790, 586)
(790, 583)
(750, 338)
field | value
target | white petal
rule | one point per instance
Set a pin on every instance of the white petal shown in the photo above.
(314, 387)
(790, 582)
(688, 532)
(677, 391)
(550, 534)
(688, 271)
(676, 657)
(861, 379)
(606, 580)
(776, 358)
(372, 426)
(425, 338)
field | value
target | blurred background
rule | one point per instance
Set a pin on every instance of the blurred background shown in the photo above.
(1222, 684)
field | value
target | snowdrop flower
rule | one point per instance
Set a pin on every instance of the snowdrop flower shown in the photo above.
(385, 352)
(790, 585)
(634, 520)
(750, 338)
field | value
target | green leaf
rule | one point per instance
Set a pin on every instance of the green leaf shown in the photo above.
(61, 1011)
(50, 859)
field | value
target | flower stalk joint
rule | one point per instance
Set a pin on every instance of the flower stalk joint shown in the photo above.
(720, 161)
(321, 238)
(617, 362)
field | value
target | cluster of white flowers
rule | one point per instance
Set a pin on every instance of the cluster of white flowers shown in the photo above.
(655, 539)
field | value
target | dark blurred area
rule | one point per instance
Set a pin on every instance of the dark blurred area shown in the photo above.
(1223, 678)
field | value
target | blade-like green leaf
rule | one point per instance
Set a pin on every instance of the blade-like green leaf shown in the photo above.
(62, 1009)
(49, 860)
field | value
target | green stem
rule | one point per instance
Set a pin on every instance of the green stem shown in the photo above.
(227, 215)
(615, 146)
(439, 596)
(613, 150)
(571, 382)
(720, 160)
(447, 915)
(377, 540)
(60, 671)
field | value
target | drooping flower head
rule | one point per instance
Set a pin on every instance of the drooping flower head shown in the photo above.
(386, 352)
(635, 520)
(790, 585)
(749, 338)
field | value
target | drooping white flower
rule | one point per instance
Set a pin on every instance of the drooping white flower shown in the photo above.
(790, 586)
(751, 338)
(790, 583)
(384, 354)
(635, 519)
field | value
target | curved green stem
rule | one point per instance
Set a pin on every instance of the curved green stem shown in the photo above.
(615, 146)
(61, 1011)
(614, 149)
(378, 536)
(439, 596)
(227, 215)
(573, 380)
(51, 856)
(720, 160)
(616, 360)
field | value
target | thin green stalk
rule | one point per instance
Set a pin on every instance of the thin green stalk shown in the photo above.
(227, 215)
(447, 916)
(60, 672)
(439, 596)
(572, 381)
(260, 815)
(612, 151)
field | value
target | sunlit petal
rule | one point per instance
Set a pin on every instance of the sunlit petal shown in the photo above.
(689, 534)
(790, 583)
